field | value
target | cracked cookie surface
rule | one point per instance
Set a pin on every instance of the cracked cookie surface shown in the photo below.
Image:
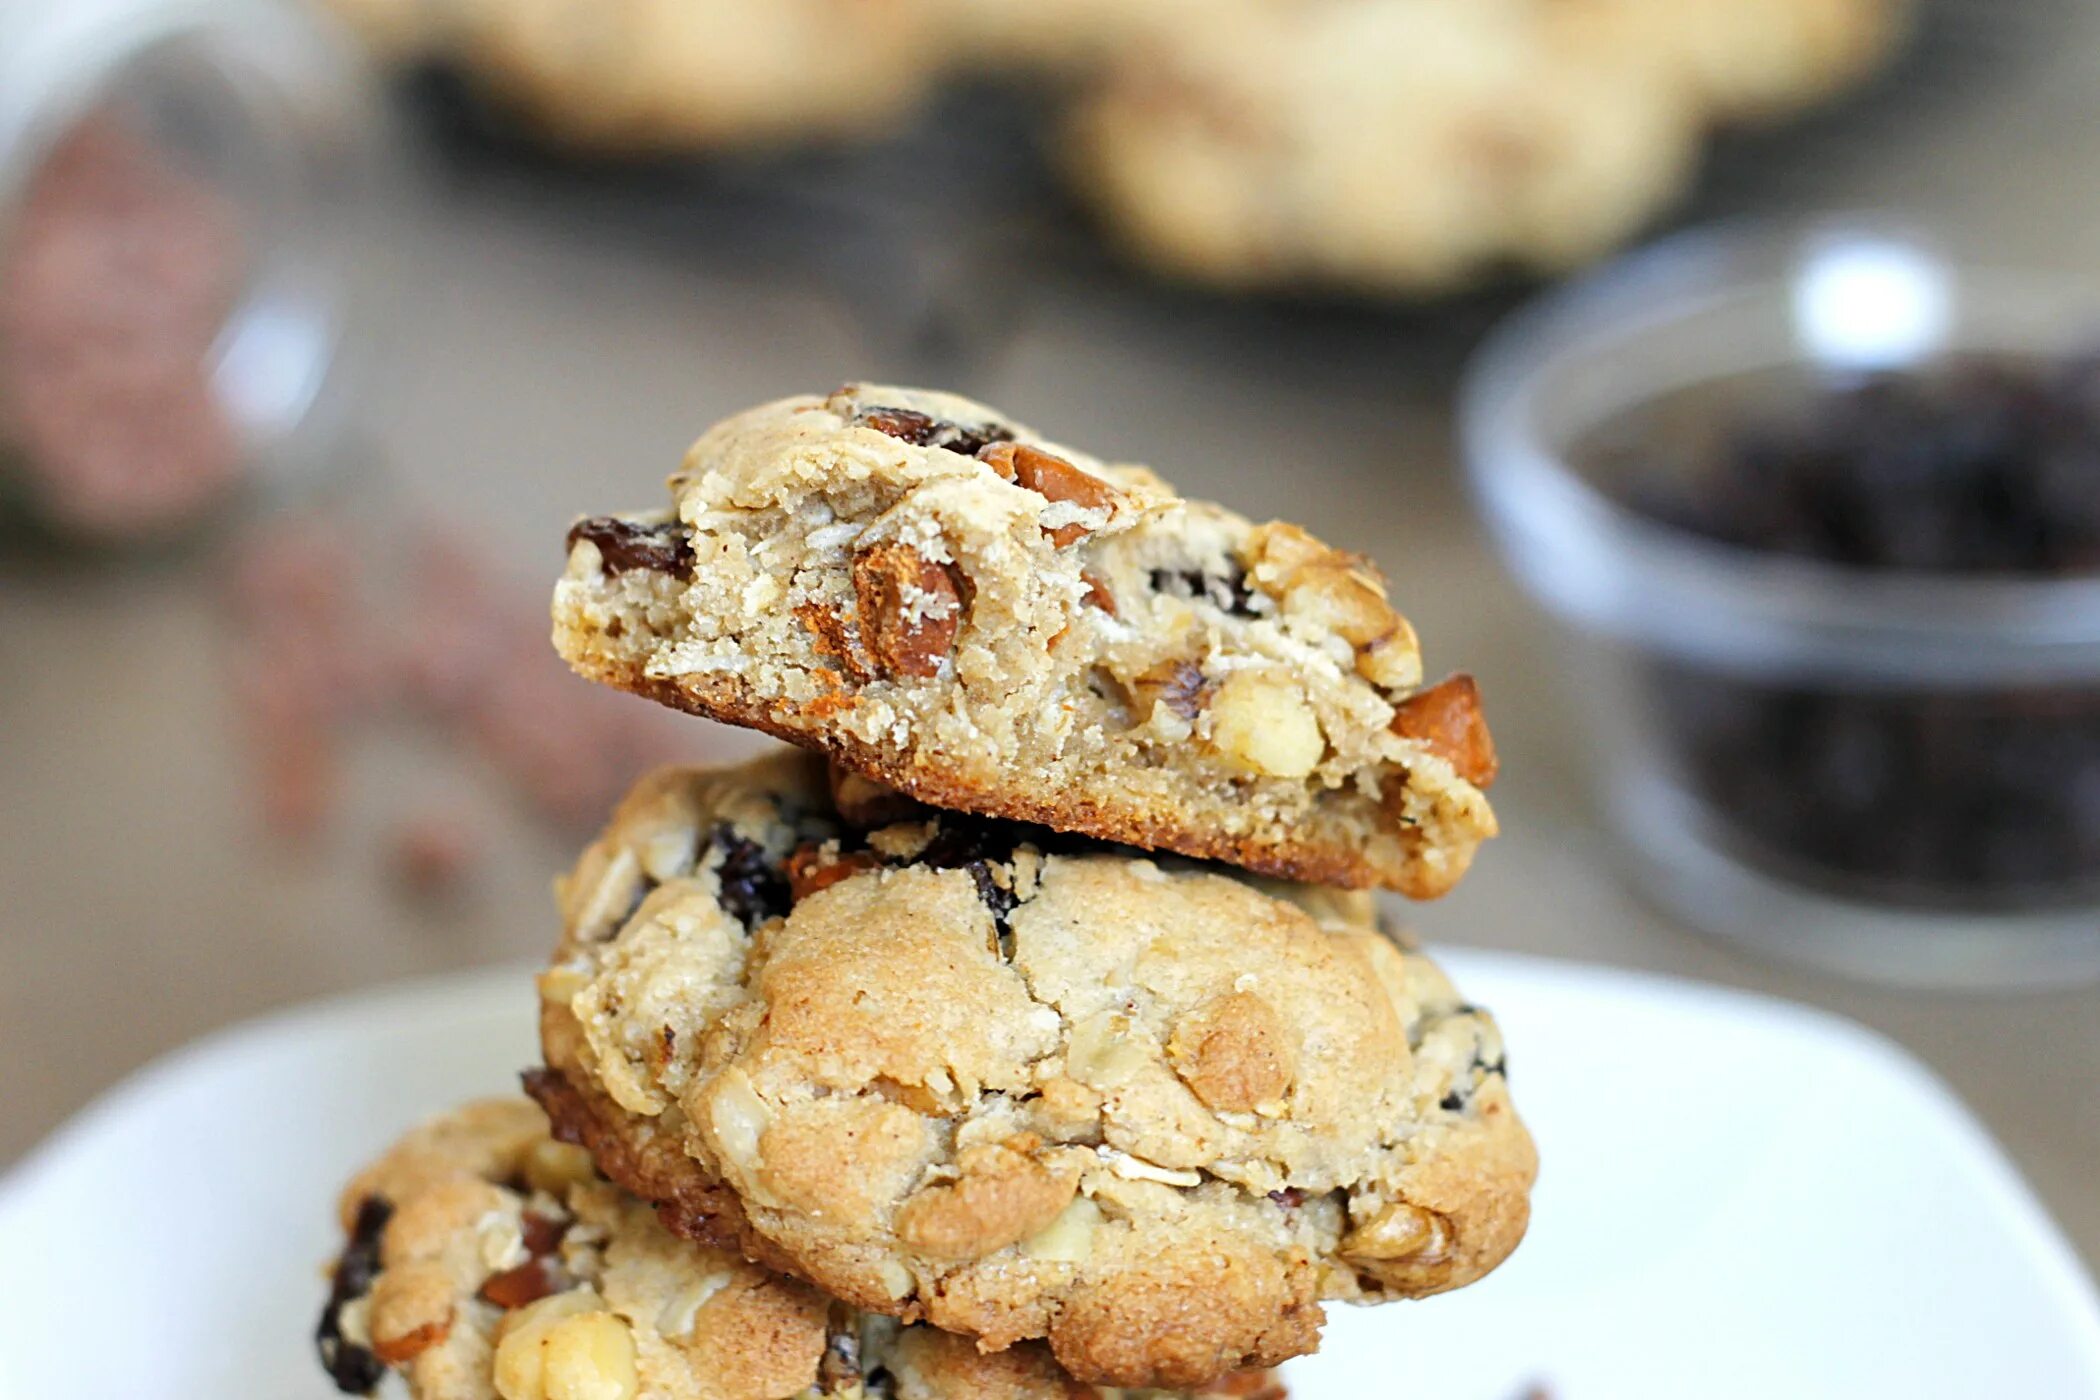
(943, 601)
(1018, 1084)
(485, 1261)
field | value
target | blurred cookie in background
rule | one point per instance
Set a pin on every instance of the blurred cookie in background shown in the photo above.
(1411, 146)
(641, 76)
(1384, 145)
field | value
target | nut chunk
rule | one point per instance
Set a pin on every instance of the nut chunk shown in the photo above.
(910, 609)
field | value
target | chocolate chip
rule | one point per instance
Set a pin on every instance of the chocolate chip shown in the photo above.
(354, 1369)
(626, 546)
(924, 430)
(1227, 592)
(750, 886)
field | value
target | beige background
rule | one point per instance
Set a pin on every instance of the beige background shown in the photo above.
(533, 368)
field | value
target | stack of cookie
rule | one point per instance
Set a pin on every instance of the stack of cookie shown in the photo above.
(1027, 1029)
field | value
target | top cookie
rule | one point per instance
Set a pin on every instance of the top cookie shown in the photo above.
(484, 1259)
(945, 601)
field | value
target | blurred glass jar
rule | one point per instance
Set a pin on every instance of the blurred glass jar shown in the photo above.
(179, 187)
(1893, 774)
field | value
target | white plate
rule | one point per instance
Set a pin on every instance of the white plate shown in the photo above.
(1740, 1198)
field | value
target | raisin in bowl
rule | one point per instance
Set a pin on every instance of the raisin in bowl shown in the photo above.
(1820, 507)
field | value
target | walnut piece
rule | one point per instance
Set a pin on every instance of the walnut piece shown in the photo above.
(1003, 1196)
(910, 608)
(1234, 1053)
(1262, 722)
(1331, 590)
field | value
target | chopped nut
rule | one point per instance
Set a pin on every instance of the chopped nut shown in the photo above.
(1333, 590)
(1446, 719)
(910, 608)
(1234, 1053)
(528, 1283)
(1261, 721)
(818, 866)
(589, 1357)
(1069, 1239)
(521, 1371)
(1400, 1231)
(1003, 1196)
(1097, 594)
(1054, 479)
(1179, 685)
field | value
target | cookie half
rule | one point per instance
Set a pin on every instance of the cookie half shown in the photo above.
(944, 601)
(485, 1261)
(1021, 1085)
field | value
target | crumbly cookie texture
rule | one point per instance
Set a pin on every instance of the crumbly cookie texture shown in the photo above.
(1021, 1085)
(485, 1261)
(945, 601)
(1402, 146)
(640, 76)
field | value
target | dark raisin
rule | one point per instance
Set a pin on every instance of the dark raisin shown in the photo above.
(1959, 797)
(1453, 1102)
(924, 430)
(1290, 1197)
(354, 1369)
(1227, 592)
(750, 886)
(659, 548)
(974, 845)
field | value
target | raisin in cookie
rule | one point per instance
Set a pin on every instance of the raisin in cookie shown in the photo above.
(486, 1260)
(946, 602)
(1018, 1084)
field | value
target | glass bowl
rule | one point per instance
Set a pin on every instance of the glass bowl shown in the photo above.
(181, 188)
(1890, 774)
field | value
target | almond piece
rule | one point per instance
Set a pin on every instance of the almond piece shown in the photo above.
(910, 608)
(1446, 719)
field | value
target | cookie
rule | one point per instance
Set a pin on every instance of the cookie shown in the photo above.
(486, 1260)
(1383, 146)
(1017, 1084)
(1755, 60)
(946, 602)
(638, 77)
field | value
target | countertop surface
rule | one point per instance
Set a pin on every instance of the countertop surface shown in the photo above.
(534, 364)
